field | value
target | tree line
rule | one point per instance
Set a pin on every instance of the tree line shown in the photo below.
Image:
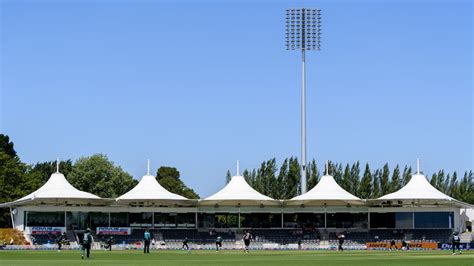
(360, 180)
(95, 174)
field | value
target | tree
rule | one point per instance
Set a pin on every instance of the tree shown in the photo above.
(346, 178)
(337, 173)
(395, 184)
(406, 176)
(434, 179)
(247, 177)
(169, 178)
(96, 174)
(440, 181)
(453, 186)
(376, 186)
(446, 184)
(354, 178)
(270, 178)
(7, 146)
(228, 176)
(384, 181)
(366, 189)
(313, 175)
(282, 180)
(266, 178)
(12, 172)
(466, 188)
(293, 178)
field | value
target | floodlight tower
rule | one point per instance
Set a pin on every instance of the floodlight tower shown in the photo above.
(303, 32)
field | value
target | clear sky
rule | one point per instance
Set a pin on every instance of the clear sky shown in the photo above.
(200, 84)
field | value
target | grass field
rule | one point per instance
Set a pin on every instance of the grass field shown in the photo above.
(224, 258)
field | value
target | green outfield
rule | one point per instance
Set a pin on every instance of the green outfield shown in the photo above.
(224, 258)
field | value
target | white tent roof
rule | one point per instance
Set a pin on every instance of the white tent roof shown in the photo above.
(56, 189)
(326, 191)
(238, 191)
(148, 189)
(417, 188)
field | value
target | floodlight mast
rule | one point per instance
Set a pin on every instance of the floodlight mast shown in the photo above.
(303, 32)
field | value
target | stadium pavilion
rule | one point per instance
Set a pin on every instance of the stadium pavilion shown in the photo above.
(418, 211)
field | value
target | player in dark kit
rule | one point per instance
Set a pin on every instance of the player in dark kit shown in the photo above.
(185, 243)
(86, 243)
(247, 237)
(60, 240)
(218, 243)
(109, 242)
(340, 242)
(455, 242)
(392, 245)
(405, 245)
(147, 240)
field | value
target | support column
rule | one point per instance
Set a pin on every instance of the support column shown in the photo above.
(368, 219)
(152, 220)
(325, 214)
(196, 220)
(282, 220)
(109, 219)
(12, 216)
(239, 218)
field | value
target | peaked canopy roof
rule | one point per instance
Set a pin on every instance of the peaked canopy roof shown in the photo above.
(327, 191)
(149, 190)
(419, 190)
(238, 191)
(57, 190)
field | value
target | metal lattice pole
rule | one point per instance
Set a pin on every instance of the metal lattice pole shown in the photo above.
(303, 32)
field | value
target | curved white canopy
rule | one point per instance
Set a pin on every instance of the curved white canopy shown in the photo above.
(419, 191)
(326, 191)
(56, 190)
(417, 188)
(148, 189)
(238, 191)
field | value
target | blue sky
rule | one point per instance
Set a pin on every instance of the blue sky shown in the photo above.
(198, 85)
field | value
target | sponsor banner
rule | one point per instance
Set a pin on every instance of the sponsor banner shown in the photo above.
(449, 246)
(44, 230)
(412, 245)
(114, 230)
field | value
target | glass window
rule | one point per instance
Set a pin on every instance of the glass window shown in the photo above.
(98, 219)
(260, 220)
(434, 219)
(382, 220)
(206, 220)
(218, 220)
(119, 219)
(404, 220)
(45, 219)
(141, 219)
(346, 220)
(303, 220)
(165, 220)
(186, 220)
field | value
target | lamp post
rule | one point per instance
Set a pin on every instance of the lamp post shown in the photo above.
(303, 32)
